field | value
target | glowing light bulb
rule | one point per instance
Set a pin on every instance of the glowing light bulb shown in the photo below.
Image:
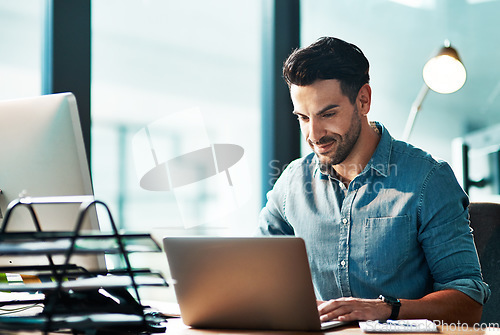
(444, 74)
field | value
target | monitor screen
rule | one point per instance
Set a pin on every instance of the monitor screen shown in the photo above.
(42, 154)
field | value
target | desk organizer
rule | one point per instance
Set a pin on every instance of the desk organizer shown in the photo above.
(71, 297)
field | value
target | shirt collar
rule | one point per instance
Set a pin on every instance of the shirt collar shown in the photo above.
(380, 158)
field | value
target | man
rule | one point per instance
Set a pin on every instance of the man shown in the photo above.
(385, 224)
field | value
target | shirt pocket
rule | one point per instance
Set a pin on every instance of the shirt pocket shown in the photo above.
(387, 242)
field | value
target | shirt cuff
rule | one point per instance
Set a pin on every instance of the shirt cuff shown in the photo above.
(477, 290)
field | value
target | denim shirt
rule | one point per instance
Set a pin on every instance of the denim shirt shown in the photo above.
(400, 229)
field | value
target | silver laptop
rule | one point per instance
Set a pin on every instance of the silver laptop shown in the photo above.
(244, 283)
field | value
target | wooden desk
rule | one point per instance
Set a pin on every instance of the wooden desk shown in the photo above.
(176, 327)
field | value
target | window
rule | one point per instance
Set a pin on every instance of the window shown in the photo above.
(169, 80)
(21, 38)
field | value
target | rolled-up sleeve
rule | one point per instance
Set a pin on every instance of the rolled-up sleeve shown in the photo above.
(446, 237)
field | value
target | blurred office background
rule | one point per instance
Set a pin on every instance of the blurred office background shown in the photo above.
(209, 61)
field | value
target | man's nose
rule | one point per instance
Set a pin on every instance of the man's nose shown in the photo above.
(316, 131)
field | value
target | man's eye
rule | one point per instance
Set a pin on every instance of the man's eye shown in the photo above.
(327, 115)
(302, 118)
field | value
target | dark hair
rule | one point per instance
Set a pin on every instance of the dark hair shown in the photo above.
(328, 58)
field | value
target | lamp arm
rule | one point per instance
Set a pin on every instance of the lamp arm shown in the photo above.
(415, 107)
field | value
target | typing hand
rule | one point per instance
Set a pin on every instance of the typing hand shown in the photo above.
(352, 309)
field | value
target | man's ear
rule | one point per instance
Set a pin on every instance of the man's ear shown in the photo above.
(364, 99)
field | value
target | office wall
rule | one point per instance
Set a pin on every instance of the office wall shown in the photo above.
(398, 37)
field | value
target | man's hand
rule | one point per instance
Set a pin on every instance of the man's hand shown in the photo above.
(448, 306)
(351, 309)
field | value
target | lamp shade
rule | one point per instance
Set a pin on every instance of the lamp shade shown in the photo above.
(445, 73)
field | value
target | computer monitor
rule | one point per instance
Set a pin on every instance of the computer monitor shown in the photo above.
(42, 154)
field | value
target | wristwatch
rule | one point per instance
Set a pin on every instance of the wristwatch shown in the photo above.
(394, 303)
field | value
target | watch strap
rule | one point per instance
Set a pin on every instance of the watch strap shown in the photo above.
(395, 305)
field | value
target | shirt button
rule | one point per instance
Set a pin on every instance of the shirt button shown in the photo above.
(342, 263)
(344, 221)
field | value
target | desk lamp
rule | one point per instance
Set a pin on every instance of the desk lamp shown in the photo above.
(443, 73)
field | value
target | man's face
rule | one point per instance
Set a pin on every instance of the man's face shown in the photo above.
(329, 122)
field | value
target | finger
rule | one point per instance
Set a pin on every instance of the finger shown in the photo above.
(331, 305)
(338, 313)
(327, 306)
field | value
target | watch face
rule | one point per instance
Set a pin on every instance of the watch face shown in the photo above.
(389, 300)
